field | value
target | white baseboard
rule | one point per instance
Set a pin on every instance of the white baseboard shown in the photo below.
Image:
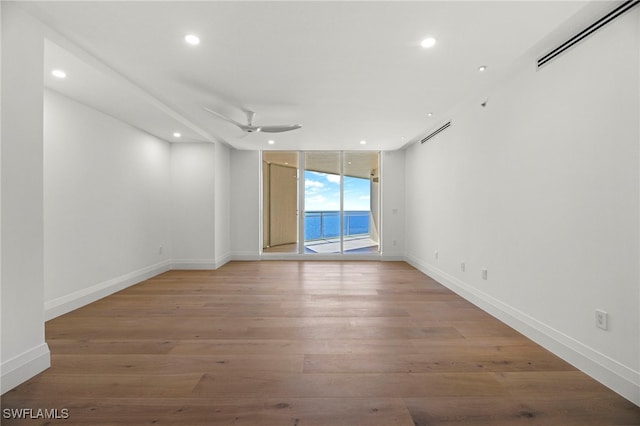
(77, 299)
(245, 256)
(393, 256)
(604, 369)
(195, 264)
(21, 368)
(222, 260)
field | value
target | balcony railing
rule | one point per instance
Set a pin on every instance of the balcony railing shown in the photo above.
(322, 225)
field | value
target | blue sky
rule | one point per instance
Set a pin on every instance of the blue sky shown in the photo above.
(322, 192)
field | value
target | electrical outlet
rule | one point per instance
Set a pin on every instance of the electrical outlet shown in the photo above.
(602, 319)
(395, 243)
(462, 266)
(484, 274)
(160, 250)
(435, 254)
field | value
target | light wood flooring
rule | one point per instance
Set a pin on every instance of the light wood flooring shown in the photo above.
(304, 343)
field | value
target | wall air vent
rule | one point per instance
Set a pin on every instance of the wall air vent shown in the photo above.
(434, 133)
(624, 7)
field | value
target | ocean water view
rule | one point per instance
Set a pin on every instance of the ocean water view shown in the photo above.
(326, 224)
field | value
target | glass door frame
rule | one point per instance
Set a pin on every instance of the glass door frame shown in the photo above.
(302, 163)
(374, 210)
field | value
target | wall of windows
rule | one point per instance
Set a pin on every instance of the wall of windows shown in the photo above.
(337, 198)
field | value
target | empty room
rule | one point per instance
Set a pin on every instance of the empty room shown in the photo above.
(326, 213)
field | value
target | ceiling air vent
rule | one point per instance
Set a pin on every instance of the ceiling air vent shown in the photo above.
(433, 134)
(624, 7)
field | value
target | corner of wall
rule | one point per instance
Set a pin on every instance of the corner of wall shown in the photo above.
(24, 351)
(24, 366)
(222, 260)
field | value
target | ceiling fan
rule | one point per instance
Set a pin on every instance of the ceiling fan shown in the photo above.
(250, 128)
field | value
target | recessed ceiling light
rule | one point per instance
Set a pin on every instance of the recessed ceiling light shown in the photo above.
(271, 142)
(482, 68)
(192, 39)
(177, 135)
(363, 142)
(59, 74)
(429, 114)
(428, 42)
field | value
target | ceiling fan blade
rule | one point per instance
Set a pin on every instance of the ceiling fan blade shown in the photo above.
(250, 128)
(278, 129)
(225, 118)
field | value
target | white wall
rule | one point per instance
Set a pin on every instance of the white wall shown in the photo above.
(393, 204)
(201, 205)
(106, 204)
(245, 204)
(24, 351)
(193, 207)
(223, 183)
(541, 187)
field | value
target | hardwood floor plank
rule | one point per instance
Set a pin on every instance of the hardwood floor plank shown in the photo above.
(507, 411)
(469, 411)
(175, 364)
(350, 385)
(304, 343)
(237, 411)
(96, 385)
(134, 327)
(64, 346)
(351, 332)
(478, 341)
(315, 346)
(494, 359)
(542, 383)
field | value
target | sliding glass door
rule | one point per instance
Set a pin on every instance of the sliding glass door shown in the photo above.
(360, 202)
(322, 202)
(337, 193)
(341, 202)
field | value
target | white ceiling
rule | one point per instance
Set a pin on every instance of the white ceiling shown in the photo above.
(346, 71)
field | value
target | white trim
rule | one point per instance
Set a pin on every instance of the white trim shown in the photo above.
(244, 256)
(196, 264)
(393, 256)
(302, 166)
(223, 260)
(23, 367)
(77, 299)
(602, 368)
